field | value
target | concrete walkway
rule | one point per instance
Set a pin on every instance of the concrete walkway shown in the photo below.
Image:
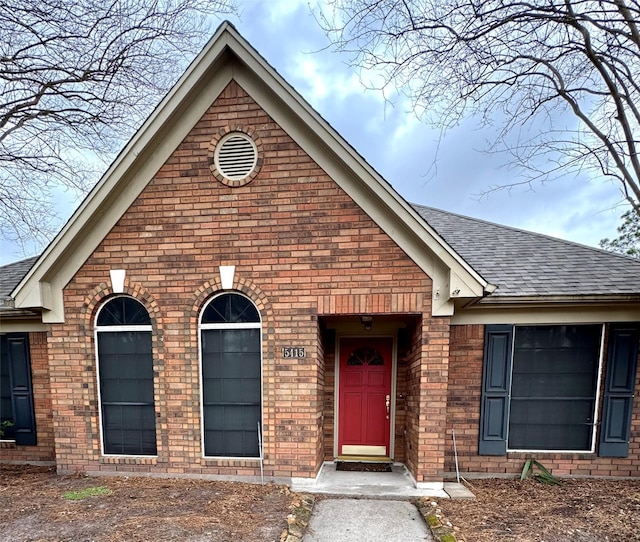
(365, 520)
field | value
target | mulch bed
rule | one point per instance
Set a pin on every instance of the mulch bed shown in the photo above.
(33, 508)
(586, 510)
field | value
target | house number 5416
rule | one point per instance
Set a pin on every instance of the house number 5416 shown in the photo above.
(292, 352)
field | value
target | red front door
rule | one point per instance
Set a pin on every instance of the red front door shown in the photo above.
(364, 419)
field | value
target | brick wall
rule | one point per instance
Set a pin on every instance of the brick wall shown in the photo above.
(404, 349)
(463, 415)
(433, 380)
(320, 398)
(301, 248)
(328, 424)
(44, 450)
(412, 401)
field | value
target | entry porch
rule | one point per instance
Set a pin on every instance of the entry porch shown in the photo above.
(397, 484)
(383, 388)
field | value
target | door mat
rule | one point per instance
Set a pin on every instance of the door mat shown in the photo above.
(360, 466)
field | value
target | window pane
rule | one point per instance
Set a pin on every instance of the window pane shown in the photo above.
(231, 390)
(231, 340)
(126, 366)
(550, 424)
(123, 311)
(127, 429)
(232, 431)
(230, 309)
(553, 387)
(126, 392)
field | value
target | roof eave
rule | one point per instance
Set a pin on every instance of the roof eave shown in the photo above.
(558, 299)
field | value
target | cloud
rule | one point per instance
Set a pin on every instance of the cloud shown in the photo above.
(387, 133)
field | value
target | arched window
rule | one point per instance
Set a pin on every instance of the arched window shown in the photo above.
(231, 398)
(125, 378)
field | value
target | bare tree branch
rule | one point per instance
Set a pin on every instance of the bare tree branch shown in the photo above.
(516, 63)
(76, 78)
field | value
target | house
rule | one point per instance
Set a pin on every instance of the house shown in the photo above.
(241, 286)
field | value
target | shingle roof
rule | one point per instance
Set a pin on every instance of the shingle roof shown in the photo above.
(519, 262)
(522, 263)
(11, 274)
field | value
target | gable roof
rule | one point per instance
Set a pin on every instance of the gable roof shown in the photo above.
(228, 57)
(521, 263)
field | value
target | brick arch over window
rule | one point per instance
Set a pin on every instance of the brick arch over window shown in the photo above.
(199, 299)
(94, 299)
(242, 285)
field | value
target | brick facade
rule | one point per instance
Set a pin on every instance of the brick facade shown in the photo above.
(44, 450)
(303, 251)
(313, 262)
(463, 415)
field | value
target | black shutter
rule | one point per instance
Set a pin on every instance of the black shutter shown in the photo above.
(619, 384)
(17, 345)
(496, 383)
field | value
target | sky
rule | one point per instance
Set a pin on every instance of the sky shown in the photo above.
(389, 136)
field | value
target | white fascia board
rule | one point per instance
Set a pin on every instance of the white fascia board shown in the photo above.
(594, 313)
(20, 325)
(125, 179)
(533, 300)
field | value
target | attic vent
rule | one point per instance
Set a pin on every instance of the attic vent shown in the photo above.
(236, 156)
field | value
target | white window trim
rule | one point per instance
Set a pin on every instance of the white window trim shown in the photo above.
(107, 329)
(244, 325)
(596, 403)
(102, 329)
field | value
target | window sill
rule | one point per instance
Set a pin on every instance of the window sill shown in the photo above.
(8, 445)
(529, 453)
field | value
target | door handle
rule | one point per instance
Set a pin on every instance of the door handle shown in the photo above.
(388, 404)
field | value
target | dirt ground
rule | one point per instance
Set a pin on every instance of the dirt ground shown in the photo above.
(33, 508)
(528, 511)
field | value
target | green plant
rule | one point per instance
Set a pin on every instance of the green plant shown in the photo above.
(86, 492)
(536, 470)
(5, 425)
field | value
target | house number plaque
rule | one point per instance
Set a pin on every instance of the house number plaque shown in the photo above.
(289, 352)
